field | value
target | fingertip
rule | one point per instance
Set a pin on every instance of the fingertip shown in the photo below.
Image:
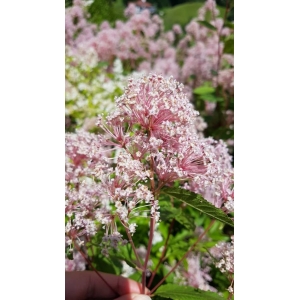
(134, 297)
(140, 297)
(129, 286)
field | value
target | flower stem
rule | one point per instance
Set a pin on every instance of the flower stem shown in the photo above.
(226, 11)
(133, 246)
(185, 255)
(162, 255)
(91, 265)
(152, 227)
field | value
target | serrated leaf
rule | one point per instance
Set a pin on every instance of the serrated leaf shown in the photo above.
(176, 292)
(198, 202)
(207, 25)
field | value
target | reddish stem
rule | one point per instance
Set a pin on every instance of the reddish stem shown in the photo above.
(162, 255)
(152, 227)
(90, 264)
(226, 11)
(184, 256)
(219, 55)
(132, 245)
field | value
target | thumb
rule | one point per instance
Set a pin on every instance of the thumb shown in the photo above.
(134, 297)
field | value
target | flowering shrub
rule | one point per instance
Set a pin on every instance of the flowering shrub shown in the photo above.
(199, 55)
(143, 194)
(89, 88)
(141, 43)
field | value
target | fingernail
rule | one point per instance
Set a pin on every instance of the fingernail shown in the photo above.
(141, 297)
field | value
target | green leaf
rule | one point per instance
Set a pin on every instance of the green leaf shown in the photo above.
(157, 298)
(224, 133)
(229, 25)
(180, 237)
(204, 90)
(176, 292)
(211, 98)
(104, 265)
(229, 45)
(69, 254)
(169, 213)
(120, 257)
(136, 276)
(214, 72)
(208, 25)
(198, 202)
(185, 220)
(125, 253)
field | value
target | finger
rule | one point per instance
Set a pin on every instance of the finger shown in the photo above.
(87, 284)
(76, 285)
(134, 297)
(113, 286)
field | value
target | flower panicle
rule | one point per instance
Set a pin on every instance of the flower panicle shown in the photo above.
(149, 141)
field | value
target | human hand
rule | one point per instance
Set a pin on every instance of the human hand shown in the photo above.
(84, 285)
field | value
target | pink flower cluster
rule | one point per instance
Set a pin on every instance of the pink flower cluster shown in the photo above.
(85, 202)
(196, 274)
(217, 185)
(142, 44)
(76, 264)
(148, 142)
(224, 255)
(77, 29)
(164, 132)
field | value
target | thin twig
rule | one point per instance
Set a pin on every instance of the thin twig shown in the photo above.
(162, 255)
(226, 11)
(132, 245)
(184, 256)
(91, 265)
(152, 227)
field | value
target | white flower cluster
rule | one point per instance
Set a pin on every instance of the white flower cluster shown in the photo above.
(89, 89)
(226, 253)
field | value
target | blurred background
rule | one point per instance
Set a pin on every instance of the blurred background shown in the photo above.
(172, 11)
